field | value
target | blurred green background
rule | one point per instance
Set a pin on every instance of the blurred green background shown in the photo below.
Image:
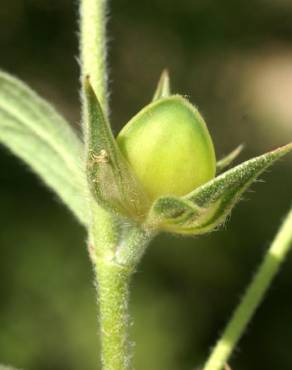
(234, 60)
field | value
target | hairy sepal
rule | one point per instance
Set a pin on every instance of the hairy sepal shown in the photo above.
(207, 207)
(111, 181)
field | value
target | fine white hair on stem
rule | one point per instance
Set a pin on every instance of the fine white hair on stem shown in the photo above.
(93, 47)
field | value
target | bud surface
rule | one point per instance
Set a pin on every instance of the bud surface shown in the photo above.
(169, 148)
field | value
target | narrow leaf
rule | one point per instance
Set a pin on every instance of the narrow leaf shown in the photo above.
(229, 158)
(111, 181)
(163, 86)
(208, 206)
(37, 134)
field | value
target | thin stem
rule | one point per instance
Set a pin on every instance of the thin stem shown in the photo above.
(114, 268)
(115, 254)
(113, 294)
(93, 47)
(114, 251)
(112, 279)
(253, 296)
(93, 64)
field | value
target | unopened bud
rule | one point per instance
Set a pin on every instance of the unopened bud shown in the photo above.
(168, 147)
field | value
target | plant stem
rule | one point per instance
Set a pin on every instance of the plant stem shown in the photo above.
(113, 293)
(93, 47)
(115, 246)
(112, 279)
(114, 265)
(93, 64)
(253, 296)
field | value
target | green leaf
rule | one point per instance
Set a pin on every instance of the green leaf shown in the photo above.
(163, 86)
(37, 134)
(229, 158)
(110, 179)
(208, 206)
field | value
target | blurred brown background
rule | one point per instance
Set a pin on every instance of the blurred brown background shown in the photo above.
(234, 60)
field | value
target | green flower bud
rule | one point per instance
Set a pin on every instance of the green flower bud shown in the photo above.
(160, 170)
(168, 147)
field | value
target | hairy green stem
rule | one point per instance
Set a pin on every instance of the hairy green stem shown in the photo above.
(115, 246)
(114, 265)
(93, 47)
(102, 233)
(112, 278)
(113, 293)
(253, 296)
(93, 64)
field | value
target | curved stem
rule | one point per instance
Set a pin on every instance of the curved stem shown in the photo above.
(253, 296)
(93, 47)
